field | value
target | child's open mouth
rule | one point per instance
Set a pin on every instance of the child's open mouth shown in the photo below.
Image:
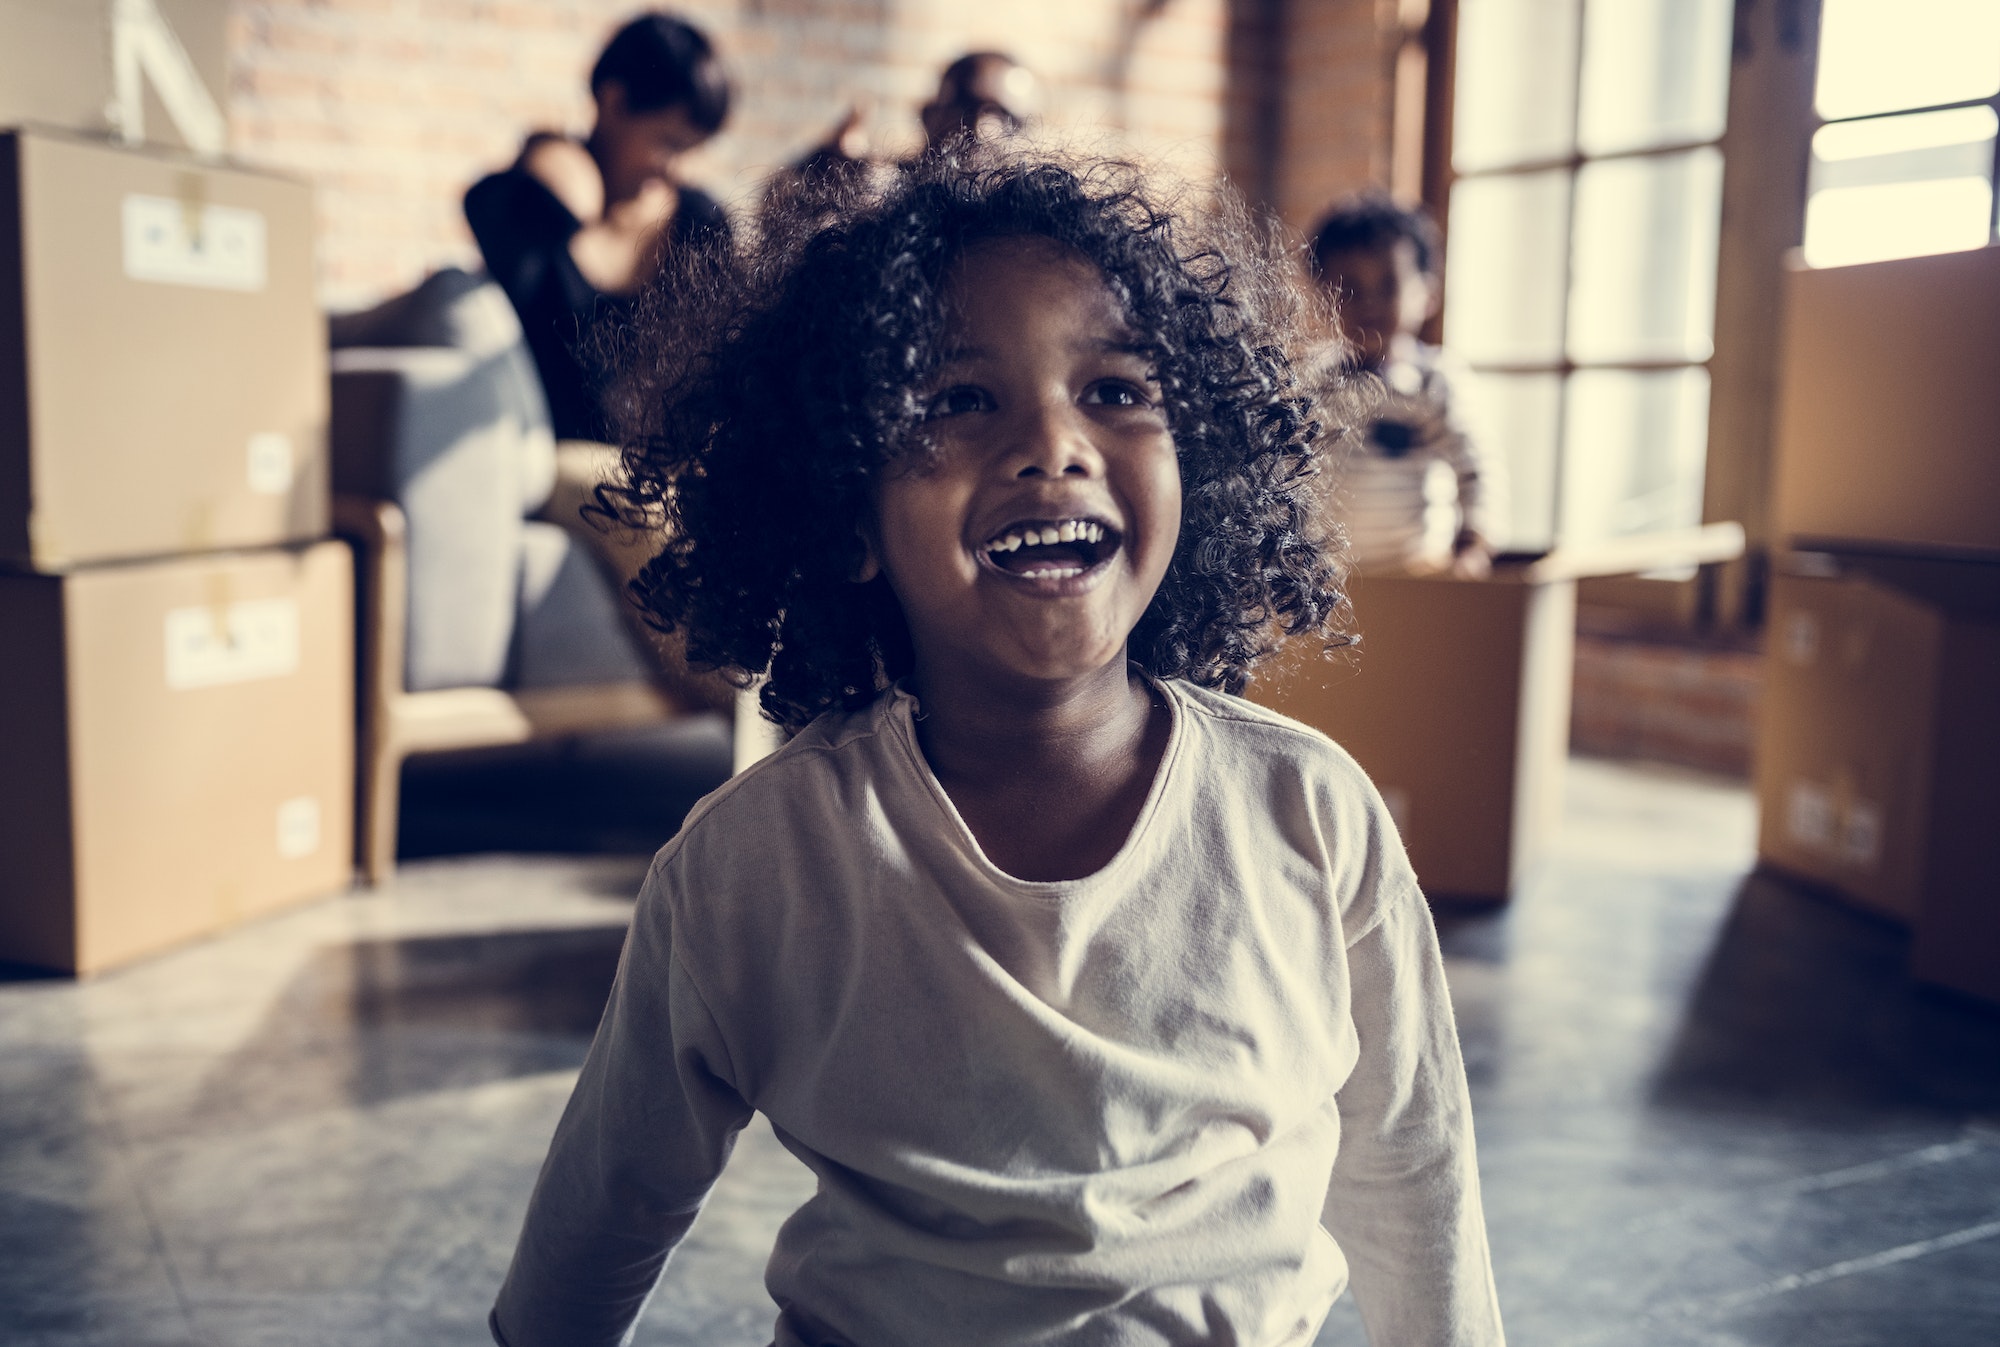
(1052, 549)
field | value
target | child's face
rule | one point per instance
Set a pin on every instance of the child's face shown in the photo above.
(1046, 423)
(1382, 294)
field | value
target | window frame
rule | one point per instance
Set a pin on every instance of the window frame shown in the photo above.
(1991, 101)
(1766, 148)
(1443, 175)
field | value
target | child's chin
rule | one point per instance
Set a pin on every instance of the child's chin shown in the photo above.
(1067, 666)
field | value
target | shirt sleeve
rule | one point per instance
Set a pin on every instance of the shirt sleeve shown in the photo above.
(1404, 1201)
(1458, 443)
(643, 1140)
(522, 230)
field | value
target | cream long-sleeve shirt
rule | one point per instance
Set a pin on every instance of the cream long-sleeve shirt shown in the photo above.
(1184, 1100)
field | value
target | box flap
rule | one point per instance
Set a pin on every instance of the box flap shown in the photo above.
(1634, 555)
(1964, 590)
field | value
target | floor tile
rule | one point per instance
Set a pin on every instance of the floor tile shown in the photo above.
(1712, 1109)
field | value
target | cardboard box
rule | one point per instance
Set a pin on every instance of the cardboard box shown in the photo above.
(56, 66)
(163, 368)
(180, 749)
(1468, 757)
(1889, 393)
(1879, 751)
(1457, 704)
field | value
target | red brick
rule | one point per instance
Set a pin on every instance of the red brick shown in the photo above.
(397, 104)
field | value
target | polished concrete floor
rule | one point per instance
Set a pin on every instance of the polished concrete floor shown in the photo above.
(1711, 1109)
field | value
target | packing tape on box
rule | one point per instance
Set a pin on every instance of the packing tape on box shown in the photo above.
(198, 527)
(193, 194)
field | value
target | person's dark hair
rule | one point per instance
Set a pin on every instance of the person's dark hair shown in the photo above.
(955, 81)
(1374, 221)
(661, 62)
(767, 390)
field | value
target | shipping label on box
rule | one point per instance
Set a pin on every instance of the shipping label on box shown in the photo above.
(1844, 738)
(190, 243)
(1845, 832)
(163, 364)
(232, 643)
(201, 712)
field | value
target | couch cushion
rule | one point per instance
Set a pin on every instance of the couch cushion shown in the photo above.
(569, 630)
(461, 311)
(426, 428)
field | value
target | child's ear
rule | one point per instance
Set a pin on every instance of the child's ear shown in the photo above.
(869, 566)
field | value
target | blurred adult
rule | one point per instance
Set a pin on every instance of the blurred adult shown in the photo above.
(575, 228)
(982, 94)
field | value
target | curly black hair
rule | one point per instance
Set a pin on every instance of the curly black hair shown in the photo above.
(1373, 220)
(768, 385)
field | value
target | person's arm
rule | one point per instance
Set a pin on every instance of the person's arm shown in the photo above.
(521, 227)
(567, 170)
(643, 1140)
(1404, 1201)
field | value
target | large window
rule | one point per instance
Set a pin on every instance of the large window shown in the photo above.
(1904, 162)
(1581, 264)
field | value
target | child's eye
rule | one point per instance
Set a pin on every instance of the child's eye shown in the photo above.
(1117, 393)
(958, 400)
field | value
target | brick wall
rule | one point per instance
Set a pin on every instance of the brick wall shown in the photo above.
(1337, 78)
(392, 107)
(1666, 701)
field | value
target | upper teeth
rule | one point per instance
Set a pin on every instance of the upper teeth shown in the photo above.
(1069, 531)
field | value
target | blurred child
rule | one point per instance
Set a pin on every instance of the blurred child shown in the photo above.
(1102, 1003)
(1412, 493)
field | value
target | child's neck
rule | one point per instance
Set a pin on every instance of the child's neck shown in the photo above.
(1050, 778)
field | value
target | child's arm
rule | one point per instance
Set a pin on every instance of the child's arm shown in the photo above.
(644, 1138)
(1458, 445)
(1404, 1201)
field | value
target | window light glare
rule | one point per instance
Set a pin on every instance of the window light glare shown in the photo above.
(1880, 55)
(1848, 225)
(1896, 135)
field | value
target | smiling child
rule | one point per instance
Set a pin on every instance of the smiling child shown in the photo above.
(1103, 1004)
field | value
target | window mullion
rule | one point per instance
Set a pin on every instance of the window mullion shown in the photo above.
(1989, 101)
(1993, 177)
(1576, 161)
(1559, 458)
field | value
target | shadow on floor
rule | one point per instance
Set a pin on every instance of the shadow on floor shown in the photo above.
(1804, 1007)
(377, 1020)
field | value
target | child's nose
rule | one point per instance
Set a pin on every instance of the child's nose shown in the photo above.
(1054, 443)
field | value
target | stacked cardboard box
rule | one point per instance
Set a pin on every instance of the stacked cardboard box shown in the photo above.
(1879, 754)
(1457, 705)
(175, 627)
